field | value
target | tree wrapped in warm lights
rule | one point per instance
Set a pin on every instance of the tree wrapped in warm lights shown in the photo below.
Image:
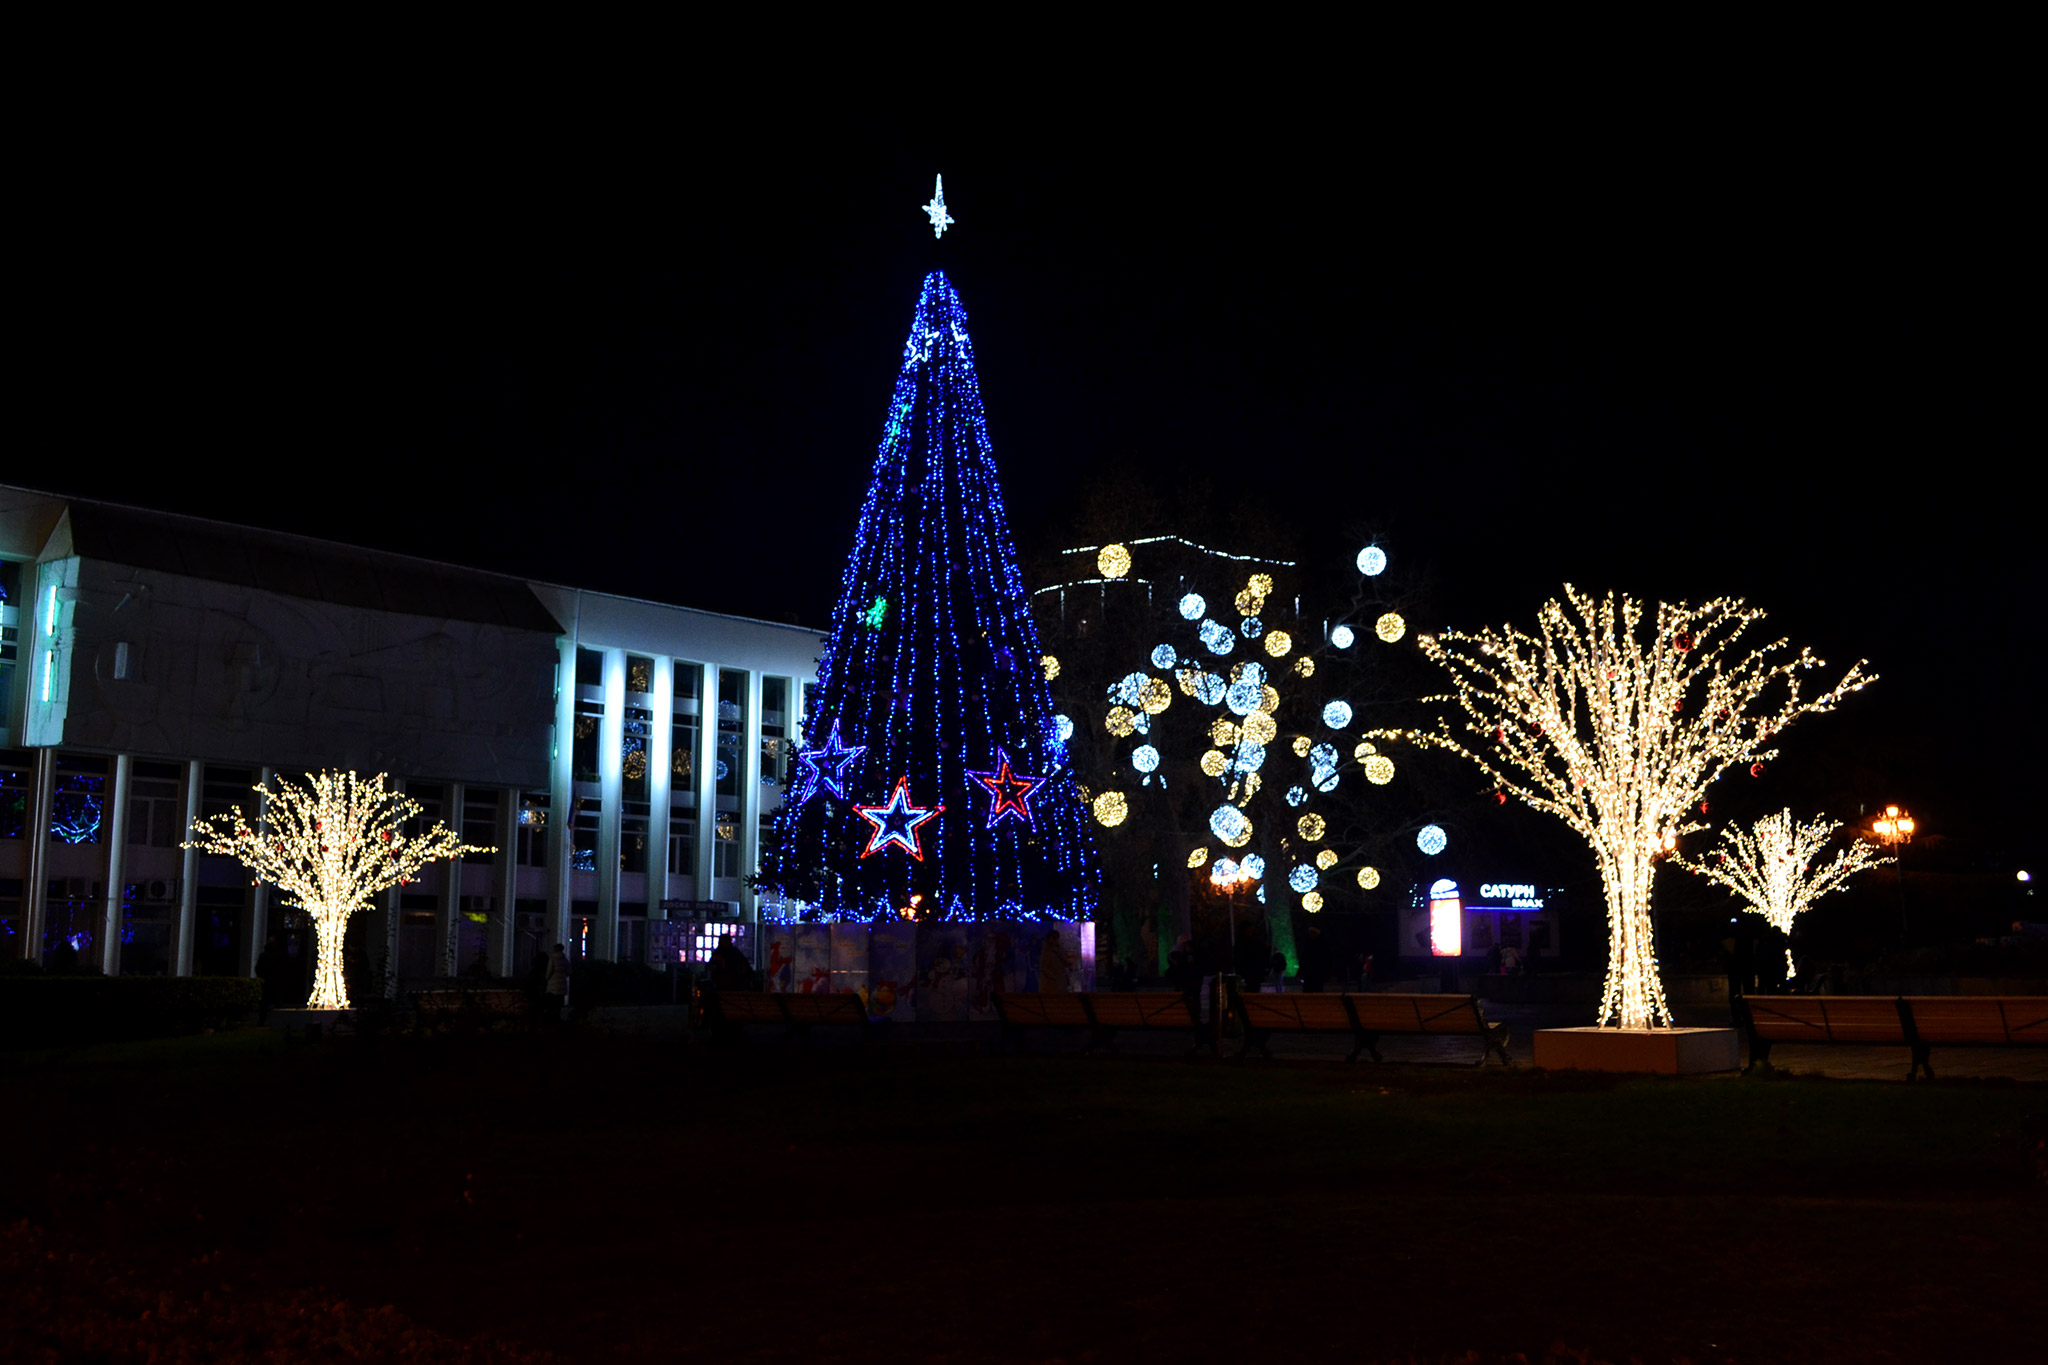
(1620, 736)
(330, 846)
(1774, 866)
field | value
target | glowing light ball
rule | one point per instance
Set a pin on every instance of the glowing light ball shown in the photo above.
(1278, 642)
(1251, 627)
(1214, 763)
(1241, 840)
(1111, 809)
(1327, 859)
(1301, 743)
(1224, 872)
(1126, 690)
(1323, 779)
(1252, 782)
(1051, 666)
(1269, 699)
(1390, 627)
(1337, 715)
(1303, 877)
(1312, 902)
(1323, 756)
(1250, 757)
(1372, 561)
(1120, 721)
(1431, 839)
(1218, 637)
(1198, 857)
(1260, 583)
(1342, 637)
(1305, 666)
(1114, 561)
(1243, 697)
(1155, 696)
(1379, 770)
(1296, 795)
(1364, 751)
(1222, 732)
(1253, 867)
(1311, 826)
(1209, 689)
(1259, 727)
(1368, 878)
(1062, 729)
(1163, 656)
(1227, 822)
(1249, 602)
(1145, 758)
(1192, 606)
(1249, 671)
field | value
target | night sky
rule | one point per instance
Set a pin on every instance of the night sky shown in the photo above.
(1762, 340)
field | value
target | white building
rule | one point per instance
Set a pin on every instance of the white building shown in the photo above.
(154, 668)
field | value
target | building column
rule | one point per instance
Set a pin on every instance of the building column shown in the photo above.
(451, 900)
(116, 827)
(707, 780)
(505, 881)
(660, 754)
(750, 794)
(36, 894)
(561, 838)
(188, 874)
(259, 896)
(611, 738)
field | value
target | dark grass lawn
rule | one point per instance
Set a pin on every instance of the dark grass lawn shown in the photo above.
(607, 1200)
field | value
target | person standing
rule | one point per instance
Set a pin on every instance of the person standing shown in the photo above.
(729, 969)
(558, 982)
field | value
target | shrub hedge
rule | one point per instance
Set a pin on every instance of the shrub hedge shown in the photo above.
(52, 1011)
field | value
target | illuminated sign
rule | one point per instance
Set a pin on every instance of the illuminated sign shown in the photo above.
(1518, 895)
(1446, 920)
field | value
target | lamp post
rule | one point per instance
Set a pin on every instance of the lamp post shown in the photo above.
(1894, 829)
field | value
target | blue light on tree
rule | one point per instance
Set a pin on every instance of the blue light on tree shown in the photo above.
(1343, 637)
(1192, 606)
(1337, 715)
(1217, 637)
(1303, 877)
(1372, 561)
(1145, 758)
(1431, 839)
(1228, 823)
(1164, 657)
(919, 674)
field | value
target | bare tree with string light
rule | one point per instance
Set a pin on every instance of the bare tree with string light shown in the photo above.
(330, 846)
(1620, 736)
(1775, 867)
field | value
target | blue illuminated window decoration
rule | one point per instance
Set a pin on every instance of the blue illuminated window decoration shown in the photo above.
(1145, 758)
(1251, 627)
(896, 822)
(1343, 637)
(1250, 756)
(1209, 689)
(1227, 822)
(1337, 715)
(75, 815)
(723, 770)
(1009, 791)
(1303, 877)
(1192, 606)
(1372, 561)
(1431, 839)
(1164, 656)
(1296, 795)
(826, 767)
(1217, 637)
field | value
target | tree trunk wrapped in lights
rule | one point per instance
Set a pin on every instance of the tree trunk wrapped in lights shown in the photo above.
(1774, 867)
(1619, 736)
(330, 846)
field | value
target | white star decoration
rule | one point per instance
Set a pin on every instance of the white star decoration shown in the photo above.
(936, 210)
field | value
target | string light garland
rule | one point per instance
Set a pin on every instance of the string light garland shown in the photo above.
(1619, 735)
(1774, 867)
(935, 670)
(330, 845)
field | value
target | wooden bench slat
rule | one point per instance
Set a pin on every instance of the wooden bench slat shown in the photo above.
(1303, 1013)
(1044, 1011)
(1138, 1009)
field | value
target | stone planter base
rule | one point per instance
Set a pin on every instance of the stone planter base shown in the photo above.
(1660, 1051)
(312, 1022)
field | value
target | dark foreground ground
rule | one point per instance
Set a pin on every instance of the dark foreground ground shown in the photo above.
(599, 1199)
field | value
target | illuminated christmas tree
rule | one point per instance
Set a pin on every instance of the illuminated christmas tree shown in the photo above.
(330, 846)
(932, 765)
(1775, 867)
(1619, 736)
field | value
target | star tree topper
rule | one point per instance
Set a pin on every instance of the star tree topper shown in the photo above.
(1010, 791)
(936, 210)
(828, 766)
(896, 821)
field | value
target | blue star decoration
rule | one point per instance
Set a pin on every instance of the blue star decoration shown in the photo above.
(828, 766)
(896, 822)
(1009, 790)
(936, 210)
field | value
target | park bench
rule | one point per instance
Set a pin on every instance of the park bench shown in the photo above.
(1918, 1023)
(470, 1008)
(1103, 1013)
(1366, 1017)
(798, 1014)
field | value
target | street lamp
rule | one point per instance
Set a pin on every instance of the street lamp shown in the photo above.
(1894, 829)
